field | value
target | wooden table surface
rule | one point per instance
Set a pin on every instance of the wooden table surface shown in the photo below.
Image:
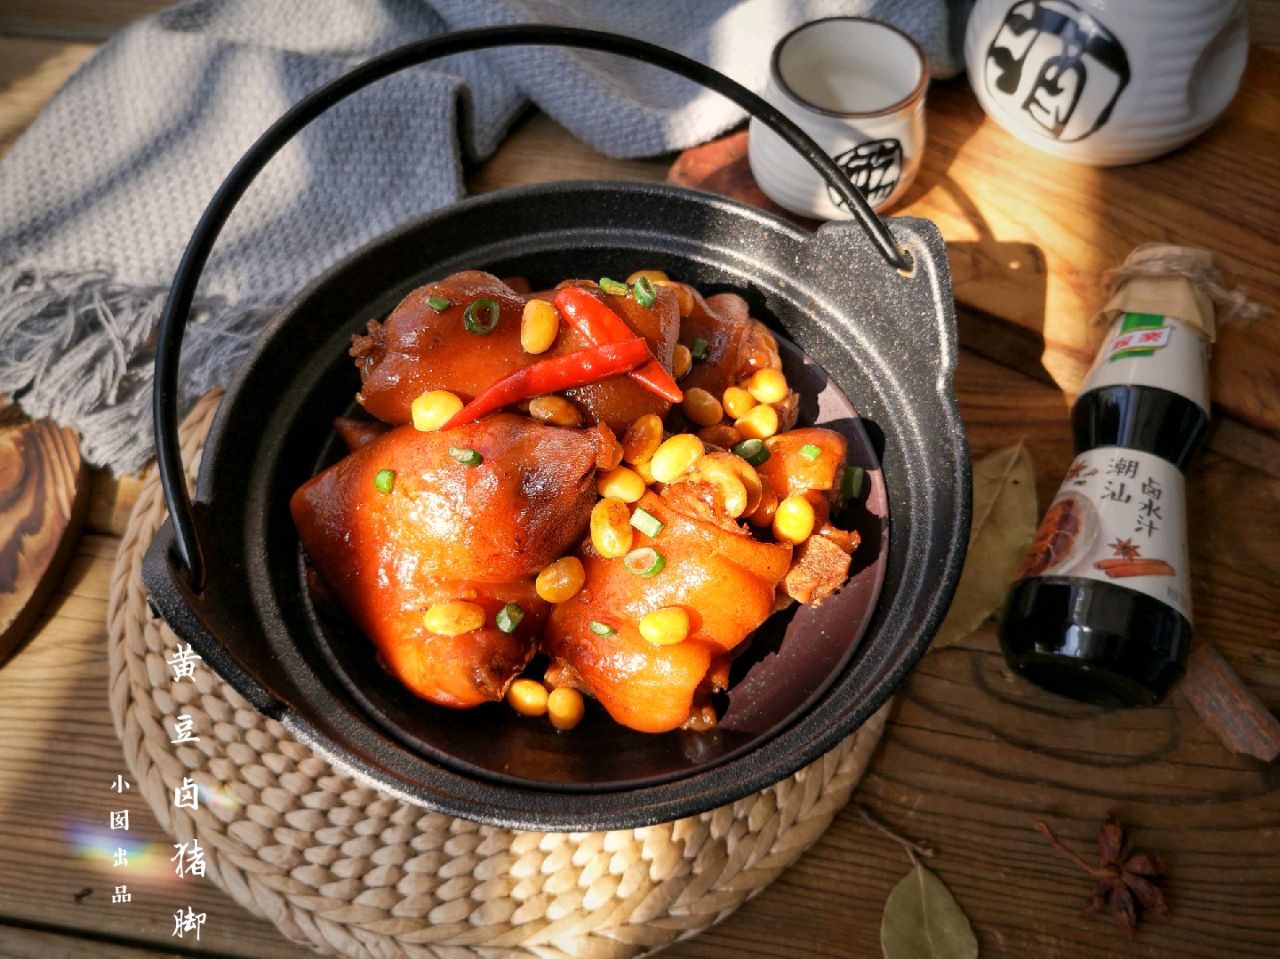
(973, 755)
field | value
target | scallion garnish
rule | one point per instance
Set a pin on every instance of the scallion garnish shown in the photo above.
(385, 480)
(613, 287)
(601, 629)
(699, 348)
(466, 455)
(645, 561)
(646, 295)
(753, 451)
(810, 452)
(509, 617)
(851, 482)
(481, 317)
(646, 522)
(439, 303)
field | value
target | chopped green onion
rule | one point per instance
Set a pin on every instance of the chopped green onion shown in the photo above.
(646, 522)
(753, 451)
(385, 480)
(810, 452)
(481, 325)
(699, 348)
(466, 455)
(613, 287)
(439, 303)
(852, 481)
(601, 629)
(509, 617)
(646, 295)
(645, 561)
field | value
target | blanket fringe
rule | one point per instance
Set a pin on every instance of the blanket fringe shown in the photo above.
(80, 348)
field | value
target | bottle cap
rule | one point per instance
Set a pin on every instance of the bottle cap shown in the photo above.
(1165, 280)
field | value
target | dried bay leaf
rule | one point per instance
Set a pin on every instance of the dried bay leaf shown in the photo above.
(1004, 521)
(922, 920)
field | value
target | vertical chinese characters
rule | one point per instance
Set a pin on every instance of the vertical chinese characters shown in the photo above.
(1057, 66)
(118, 820)
(1149, 517)
(188, 857)
(1115, 487)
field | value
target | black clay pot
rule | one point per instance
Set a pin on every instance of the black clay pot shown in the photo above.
(227, 574)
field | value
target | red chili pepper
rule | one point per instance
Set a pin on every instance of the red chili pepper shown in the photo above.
(558, 373)
(599, 324)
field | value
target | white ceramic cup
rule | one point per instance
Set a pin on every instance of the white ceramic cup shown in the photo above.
(1106, 82)
(857, 87)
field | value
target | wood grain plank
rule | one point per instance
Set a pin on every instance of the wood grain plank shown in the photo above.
(18, 942)
(73, 19)
(30, 73)
(975, 756)
(1029, 236)
(1264, 23)
(1011, 260)
(111, 499)
(53, 822)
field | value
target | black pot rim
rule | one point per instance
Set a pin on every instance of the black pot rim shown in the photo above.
(825, 725)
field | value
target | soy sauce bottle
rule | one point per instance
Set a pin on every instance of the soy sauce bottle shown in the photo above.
(1101, 611)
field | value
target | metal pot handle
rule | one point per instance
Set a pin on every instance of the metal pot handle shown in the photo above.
(173, 320)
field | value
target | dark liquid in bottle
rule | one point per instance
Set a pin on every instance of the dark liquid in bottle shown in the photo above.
(1096, 641)
(1140, 418)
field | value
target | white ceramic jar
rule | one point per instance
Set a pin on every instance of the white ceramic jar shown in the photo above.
(1106, 82)
(857, 87)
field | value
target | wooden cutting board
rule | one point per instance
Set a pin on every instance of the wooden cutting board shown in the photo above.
(43, 497)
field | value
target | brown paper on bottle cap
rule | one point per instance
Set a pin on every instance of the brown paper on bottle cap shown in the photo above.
(1170, 293)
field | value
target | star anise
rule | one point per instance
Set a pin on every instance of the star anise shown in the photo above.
(1126, 878)
(1125, 548)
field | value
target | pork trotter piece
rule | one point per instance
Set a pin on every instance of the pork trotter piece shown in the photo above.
(401, 525)
(425, 344)
(722, 577)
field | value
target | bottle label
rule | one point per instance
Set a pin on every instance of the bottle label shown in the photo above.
(1118, 518)
(1146, 349)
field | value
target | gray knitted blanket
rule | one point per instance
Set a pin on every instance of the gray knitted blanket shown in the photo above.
(100, 195)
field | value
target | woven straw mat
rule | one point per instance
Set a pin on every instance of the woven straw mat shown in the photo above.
(339, 866)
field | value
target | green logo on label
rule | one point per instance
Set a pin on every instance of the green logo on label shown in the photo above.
(1141, 334)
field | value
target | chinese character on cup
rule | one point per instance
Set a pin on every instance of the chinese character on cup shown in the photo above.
(857, 87)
